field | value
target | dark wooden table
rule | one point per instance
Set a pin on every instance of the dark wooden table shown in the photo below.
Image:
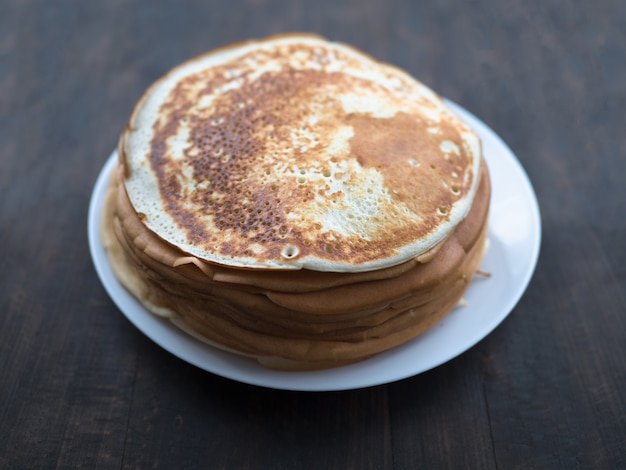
(81, 387)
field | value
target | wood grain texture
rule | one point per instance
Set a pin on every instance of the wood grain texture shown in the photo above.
(81, 387)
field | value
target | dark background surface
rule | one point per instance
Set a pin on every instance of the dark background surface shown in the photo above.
(81, 387)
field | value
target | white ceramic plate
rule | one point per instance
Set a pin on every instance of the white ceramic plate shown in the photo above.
(514, 235)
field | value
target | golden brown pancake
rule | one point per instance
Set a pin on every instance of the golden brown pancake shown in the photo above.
(295, 201)
(320, 324)
(295, 152)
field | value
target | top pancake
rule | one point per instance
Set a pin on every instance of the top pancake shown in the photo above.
(294, 152)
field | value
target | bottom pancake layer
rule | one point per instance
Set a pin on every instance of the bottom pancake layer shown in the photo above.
(299, 320)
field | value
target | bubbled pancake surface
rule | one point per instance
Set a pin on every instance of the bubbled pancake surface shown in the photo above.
(294, 152)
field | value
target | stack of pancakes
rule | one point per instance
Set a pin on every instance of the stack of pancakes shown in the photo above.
(295, 201)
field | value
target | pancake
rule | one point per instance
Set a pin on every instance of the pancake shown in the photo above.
(295, 201)
(282, 327)
(294, 152)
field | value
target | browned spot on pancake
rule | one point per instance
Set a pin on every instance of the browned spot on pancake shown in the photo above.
(388, 144)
